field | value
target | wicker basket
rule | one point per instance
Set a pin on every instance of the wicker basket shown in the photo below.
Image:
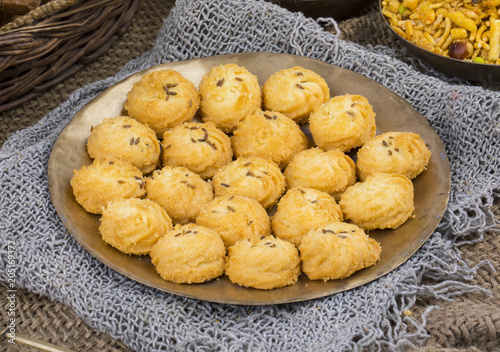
(54, 41)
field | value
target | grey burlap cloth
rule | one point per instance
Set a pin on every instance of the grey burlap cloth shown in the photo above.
(50, 262)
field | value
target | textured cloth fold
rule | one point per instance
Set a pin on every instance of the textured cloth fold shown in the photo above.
(50, 262)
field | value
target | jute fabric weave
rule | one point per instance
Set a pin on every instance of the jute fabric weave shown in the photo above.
(371, 317)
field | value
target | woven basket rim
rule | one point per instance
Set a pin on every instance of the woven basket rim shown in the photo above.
(40, 13)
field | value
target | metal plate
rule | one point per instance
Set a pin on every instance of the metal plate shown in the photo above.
(393, 114)
(485, 74)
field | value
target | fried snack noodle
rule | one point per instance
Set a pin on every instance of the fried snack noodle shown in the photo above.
(461, 29)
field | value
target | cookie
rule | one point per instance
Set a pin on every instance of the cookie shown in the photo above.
(295, 92)
(228, 93)
(134, 225)
(382, 201)
(126, 139)
(256, 178)
(264, 264)
(235, 218)
(181, 192)
(189, 254)
(269, 135)
(105, 180)
(329, 171)
(200, 147)
(344, 122)
(403, 153)
(301, 210)
(162, 100)
(336, 251)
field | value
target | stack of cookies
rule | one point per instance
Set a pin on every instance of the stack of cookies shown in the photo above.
(221, 179)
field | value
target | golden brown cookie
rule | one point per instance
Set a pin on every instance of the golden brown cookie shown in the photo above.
(329, 171)
(105, 180)
(189, 254)
(263, 264)
(269, 135)
(162, 99)
(235, 218)
(256, 178)
(344, 122)
(403, 153)
(301, 210)
(228, 93)
(126, 139)
(200, 147)
(134, 225)
(382, 201)
(295, 92)
(336, 251)
(181, 192)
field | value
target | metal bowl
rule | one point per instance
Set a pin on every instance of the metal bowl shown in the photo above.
(486, 74)
(325, 8)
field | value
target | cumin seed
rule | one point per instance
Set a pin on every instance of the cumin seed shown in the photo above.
(220, 82)
(212, 145)
(205, 137)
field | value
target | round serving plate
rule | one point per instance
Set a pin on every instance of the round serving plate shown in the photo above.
(486, 74)
(393, 114)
